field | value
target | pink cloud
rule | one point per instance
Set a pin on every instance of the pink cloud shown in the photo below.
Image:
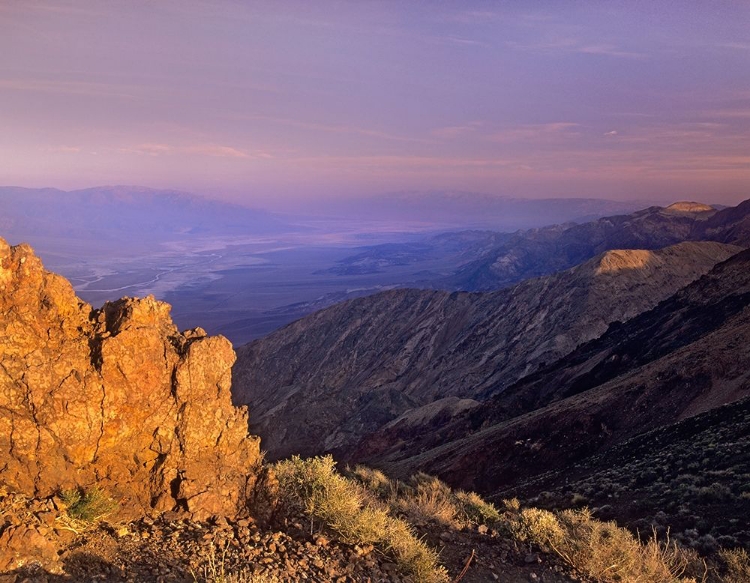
(65, 150)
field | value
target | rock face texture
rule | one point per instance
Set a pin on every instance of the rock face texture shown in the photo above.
(116, 398)
(325, 381)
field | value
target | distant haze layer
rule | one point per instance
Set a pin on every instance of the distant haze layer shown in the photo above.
(244, 272)
(285, 103)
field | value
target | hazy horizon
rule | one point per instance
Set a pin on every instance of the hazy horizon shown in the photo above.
(280, 104)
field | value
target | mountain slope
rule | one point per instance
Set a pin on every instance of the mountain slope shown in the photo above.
(346, 371)
(688, 355)
(688, 476)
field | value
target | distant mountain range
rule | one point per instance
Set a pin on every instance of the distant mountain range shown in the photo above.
(549, 249)
(136, 214)
(449, 209)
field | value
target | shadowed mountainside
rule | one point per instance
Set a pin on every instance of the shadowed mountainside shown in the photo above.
(686, 356)
(346, 371)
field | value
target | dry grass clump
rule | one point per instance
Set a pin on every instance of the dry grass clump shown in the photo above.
(424, 498)
(737, 564)
(314, 487)
(427, 498)
(360, 509)
(535, 526)
(214, 570)
(600, 550)
(377, 482)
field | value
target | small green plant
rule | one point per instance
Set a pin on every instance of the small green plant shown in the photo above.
(88, 506)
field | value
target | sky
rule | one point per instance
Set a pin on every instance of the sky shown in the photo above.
(280, 103)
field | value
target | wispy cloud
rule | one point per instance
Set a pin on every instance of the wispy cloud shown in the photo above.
(740, 46)
(330, 128)
(64, 150)
(67, 87)
(465, 41)
(608, 50)
(148, 149)
(574, 45)
(211, 150)
(469, 16)
(218, 151)
(450, 132)
(405, 162)
(729, 113)
(532, 132)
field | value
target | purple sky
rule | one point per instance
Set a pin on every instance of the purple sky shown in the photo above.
(279, 102)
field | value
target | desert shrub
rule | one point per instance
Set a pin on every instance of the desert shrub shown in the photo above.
(538, 527)
(737, 564)
(428, 499)
(88, 506)
(578, 500)
(314, 487)
(413, 554)
(716, 492)
(354, 515)
(425, 498)
(599, 550)
(608, 553)
(475, 510)
(512, 505)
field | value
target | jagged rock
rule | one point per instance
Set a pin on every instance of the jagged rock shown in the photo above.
(116, 398)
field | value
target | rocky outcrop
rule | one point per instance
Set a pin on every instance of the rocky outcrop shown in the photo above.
(115, 398)
(325, 381)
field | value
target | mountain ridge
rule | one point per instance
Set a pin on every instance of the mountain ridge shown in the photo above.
(549, 249)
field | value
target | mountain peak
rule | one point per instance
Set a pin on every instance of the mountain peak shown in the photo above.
(690, 207)
(620, 259)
